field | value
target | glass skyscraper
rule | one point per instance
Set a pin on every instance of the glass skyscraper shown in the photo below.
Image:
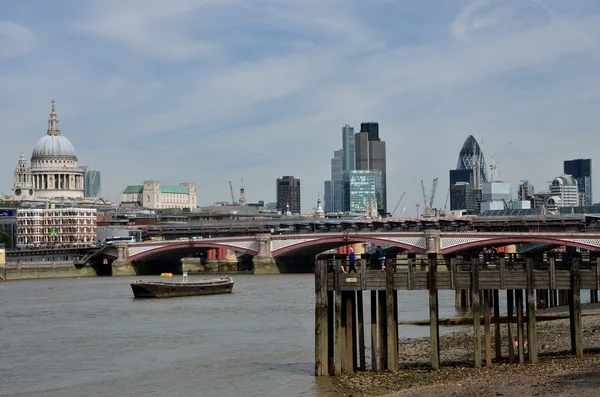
(371, 155)
(91, 182)
(361, 186)
(348, 147)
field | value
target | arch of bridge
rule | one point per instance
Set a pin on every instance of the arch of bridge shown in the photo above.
(414, 243)
(141, 250)
(462, 243)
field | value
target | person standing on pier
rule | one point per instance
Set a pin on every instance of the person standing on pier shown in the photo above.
(352, 261)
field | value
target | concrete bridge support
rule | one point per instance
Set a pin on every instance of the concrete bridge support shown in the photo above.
(122, 266)
(264, 262)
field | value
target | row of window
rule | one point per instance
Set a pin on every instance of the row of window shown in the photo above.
(37, 222)
(55, 213)
(46, 230)
(55, 239)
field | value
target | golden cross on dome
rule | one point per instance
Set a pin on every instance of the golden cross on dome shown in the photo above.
(53, 105)
(22, 151)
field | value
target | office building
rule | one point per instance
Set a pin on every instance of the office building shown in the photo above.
(526, 191)
(288, 193)
(581, 170)
(370, 154)
(39, 227)
(361, 187)
(563, 193)
(348, 147)
(91, 182)
(156, 196)
(461, 197)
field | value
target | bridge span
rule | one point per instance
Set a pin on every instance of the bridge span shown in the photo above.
(270, 253)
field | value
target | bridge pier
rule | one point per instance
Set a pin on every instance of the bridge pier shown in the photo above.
(263, 262)
(122, 266)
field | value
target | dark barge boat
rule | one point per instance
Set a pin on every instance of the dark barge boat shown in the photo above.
(163, 289)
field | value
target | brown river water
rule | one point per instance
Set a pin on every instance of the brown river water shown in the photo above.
(89, 337)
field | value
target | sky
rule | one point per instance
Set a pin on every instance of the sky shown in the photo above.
(212, 91)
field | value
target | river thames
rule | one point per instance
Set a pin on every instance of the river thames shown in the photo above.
(88, 336)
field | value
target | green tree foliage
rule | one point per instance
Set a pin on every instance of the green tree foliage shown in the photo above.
(5, 239)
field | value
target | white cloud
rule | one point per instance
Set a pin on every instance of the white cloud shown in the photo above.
(16, 40)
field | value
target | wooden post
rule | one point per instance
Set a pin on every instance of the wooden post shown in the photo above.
(397, 351)
(453, 272)
(330, 333)
(498, 342)
(343, 351)
(337, 355)
(475, 309)
(361, 331)
(575, 307)
(520, 338)
(510, 303)
(410, 265)
(363, 274)
(374, 361)
(392, 339)
(531, 323)
(488, 334)
(381, 309)
(502, 265)
(433, 312)
(354, 332)
(321, 311)
(350, 357)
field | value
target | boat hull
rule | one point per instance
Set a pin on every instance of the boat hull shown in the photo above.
(170, 290)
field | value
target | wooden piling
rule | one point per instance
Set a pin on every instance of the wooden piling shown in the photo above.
(476, 310)
(575, 308)
(434, 330)
(487, 330)
(330, 333)
(349, 307)
(382, 315)
(321, 326)
(391, 323)
(531, 323)
(361, 331)
(337, 357)
(510, 303)
(498, 342)
(520, 336)
(374, 361)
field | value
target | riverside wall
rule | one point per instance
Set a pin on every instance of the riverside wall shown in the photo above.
(38, 270)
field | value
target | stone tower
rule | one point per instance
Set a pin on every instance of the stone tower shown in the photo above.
(22, 185)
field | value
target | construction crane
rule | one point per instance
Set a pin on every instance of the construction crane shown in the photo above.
(397, 204)
(232, 196)
(428, 200)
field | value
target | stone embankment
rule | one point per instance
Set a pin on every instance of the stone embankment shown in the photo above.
(557, 373)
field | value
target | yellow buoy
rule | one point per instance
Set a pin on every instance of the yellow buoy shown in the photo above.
(166, 274)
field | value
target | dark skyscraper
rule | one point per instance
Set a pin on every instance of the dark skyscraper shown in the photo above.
(288, 192)
(581, 170)
(370, 155)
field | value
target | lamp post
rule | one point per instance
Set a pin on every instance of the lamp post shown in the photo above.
(418, 205)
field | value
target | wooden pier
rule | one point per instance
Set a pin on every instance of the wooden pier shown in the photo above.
(339, 316)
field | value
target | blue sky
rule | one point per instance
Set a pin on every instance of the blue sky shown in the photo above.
(208, 91)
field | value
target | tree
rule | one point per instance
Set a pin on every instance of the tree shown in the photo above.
(5, 239)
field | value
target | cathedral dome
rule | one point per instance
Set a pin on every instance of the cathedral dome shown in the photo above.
(53, 144)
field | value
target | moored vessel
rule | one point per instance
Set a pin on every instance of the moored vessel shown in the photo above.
(163, 289)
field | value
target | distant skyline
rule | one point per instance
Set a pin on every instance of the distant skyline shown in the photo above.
(209, 91)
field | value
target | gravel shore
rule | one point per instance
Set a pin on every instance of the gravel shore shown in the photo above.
(557, 373)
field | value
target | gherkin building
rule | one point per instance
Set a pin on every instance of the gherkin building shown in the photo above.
(471, 154)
